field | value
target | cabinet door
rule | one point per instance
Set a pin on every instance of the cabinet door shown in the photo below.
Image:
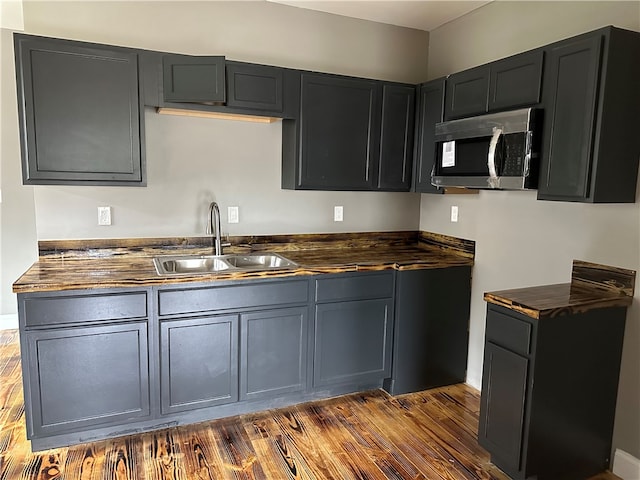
(352, 342)
(467, 93)
(570, 95)
(340, 125)
(79, 113)
(396, 137)
(193, 78)
(198, 362)
(258, 87)
(87, 377)
(516, 81)
(431, 111)
(273, 358)
(502, 404)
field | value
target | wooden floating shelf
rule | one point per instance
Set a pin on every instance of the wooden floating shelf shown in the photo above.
(220, 115)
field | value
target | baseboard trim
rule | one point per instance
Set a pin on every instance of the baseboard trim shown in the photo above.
(8, 321)
(626, 466)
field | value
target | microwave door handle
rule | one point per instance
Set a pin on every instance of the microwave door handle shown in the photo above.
(493, 180)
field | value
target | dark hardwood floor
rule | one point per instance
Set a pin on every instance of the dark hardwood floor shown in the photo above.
(427, 435)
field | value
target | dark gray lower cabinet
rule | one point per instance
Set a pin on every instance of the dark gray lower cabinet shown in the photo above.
(431, 334)
(198, 362)
(83, 377)
(549, 390)
(353, 328)
(110, 362)
(274, 352)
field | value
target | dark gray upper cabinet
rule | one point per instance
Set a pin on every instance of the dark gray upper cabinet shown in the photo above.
(188, 78)
(256, 87)
(516, 81)
(591, 99)
(339, 138)
(467, 93)
(352, 134)
(535, 372)
(80, 113)
(396, 137)
(505, 84)
(430, 111)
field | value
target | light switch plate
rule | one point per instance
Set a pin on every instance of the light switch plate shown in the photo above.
(338, 213)
(454, 213)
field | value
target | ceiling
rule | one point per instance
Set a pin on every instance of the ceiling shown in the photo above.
(420, 14)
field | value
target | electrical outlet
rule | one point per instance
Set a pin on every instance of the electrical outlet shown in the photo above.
(454, 213)
(104, 215)
(338, 213)
(233, 215)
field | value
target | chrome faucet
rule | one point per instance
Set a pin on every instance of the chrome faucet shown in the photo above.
(214, 217)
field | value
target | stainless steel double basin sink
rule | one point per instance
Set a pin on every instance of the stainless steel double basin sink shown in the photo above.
(202, 264)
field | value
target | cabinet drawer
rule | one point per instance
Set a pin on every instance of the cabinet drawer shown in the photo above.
(508, 332)
(52, 310)
(207, 299)
(357, 287)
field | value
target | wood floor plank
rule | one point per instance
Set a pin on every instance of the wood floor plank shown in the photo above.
(426, 435)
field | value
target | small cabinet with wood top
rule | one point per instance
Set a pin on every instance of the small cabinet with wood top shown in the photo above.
(535, 407)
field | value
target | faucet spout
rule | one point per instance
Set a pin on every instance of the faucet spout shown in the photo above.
(213, 227)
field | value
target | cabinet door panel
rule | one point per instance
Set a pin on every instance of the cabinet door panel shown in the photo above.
(87, 376)
(274, 352)
(502, 406)
(80, 113)
(352, 342)
(257, 87)
(339, 132)
(516, 81)
(431, 112)
(193, 78)
(396, 138)
(570, 100)
(198, 362)
(467, 93)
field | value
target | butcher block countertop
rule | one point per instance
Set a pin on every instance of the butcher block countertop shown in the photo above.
(84, 264)
(592, 286)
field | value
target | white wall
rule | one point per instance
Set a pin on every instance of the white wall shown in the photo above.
(521, 241)
(192, 161)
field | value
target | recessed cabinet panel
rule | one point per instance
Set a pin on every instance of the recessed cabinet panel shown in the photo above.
(516, 81)
(257, 87)
(274, 352)
(80, 113)
(396, 137)
(198, 362)
(352, 342)
(193, 78)
(504, 387)
(570, 103)
(340, 123)
(88, 376)
(467, 93)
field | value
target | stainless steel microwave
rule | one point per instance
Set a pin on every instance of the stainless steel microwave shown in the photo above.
(495, 151)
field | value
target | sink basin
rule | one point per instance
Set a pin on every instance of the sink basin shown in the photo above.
(189, 264)
(265, 261)
(195, 264)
